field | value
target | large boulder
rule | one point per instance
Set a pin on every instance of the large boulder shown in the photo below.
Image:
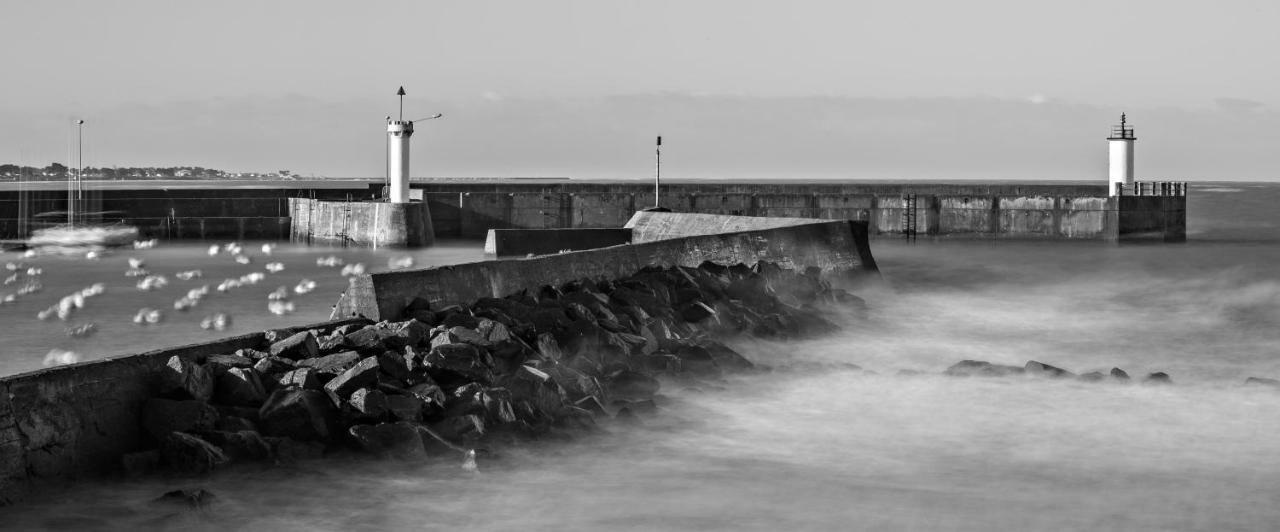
(296, 413)
(632, 385)
(368, 404)
(332, 364)
(1040, 369)
(186, 453)
(394, 440)
(239, 445)
(299, 346)
(183, 379)
(219, 364)
(240, 387)
(406, 407)
(300, 378)
(363, 374)
(461, 360)
(162, 416)
(405, 333)
(536, 387)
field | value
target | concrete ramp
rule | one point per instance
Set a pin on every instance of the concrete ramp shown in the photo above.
(647, 226)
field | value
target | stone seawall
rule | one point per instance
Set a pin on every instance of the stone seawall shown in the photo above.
(836, 248)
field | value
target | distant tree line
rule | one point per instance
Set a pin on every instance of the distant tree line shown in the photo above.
(13, 172)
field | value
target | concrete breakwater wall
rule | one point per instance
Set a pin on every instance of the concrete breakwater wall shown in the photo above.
(364, 223)
(1047, 211)
(502, 243)
(836, 248)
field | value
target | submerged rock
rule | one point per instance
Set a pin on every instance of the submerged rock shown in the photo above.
(194, 498)
(1044, 370)
(1262, 381)
(399, 440)
(969, 368)
(1158, 377)
(190, 454)
(1117, 373)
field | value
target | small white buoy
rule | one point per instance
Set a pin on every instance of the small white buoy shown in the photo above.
(275, 267)
(400, 263)
(241, 259)
(213, 250)
(268, 248)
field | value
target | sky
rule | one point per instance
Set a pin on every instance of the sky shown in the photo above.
(738, 88)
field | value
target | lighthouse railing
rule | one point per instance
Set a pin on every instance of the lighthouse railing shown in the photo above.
(1151, 188)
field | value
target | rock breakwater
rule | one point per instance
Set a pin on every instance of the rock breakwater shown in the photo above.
(447, 381)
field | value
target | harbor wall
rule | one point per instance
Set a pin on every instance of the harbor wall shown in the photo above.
(360, 223)
(469, 209)
(77, 420)
(839, 248)
(502, 243)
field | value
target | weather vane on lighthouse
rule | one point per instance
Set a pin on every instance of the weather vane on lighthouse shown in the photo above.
(398, 133)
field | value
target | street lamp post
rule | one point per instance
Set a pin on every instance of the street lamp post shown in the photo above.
(80, 161)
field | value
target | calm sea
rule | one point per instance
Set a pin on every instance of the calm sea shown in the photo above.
(814, 444)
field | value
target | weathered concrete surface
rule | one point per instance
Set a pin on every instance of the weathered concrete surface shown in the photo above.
(839, 249)
(77, 420)
(503, 243)
(361, 223)
(1152, 218)
(647, 226)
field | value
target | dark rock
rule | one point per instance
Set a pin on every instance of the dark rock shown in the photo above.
(697, 359)
(363, 374)
(461, 359)
(299, 346)
(251, 354)
(182, 379)
(140, 463)
(240, 445)
(1093, 376)
(196, 498)
(289, 450)
(1262, 381)
(186, 453)
(492, 404)
(273, 365)
(406, 407)
(332, 364)
(592, 405)
(549, 347)
(575, 383)
(538, 388)
(369, 338)
(629, 384)
(304, 378)
(219, 364)
(726, 357)
(371, 404)
(398, 440)
(493, 332)
(296, 413)
(240, 387)
(1117, 373)
(696, 312)
(430, 393)
(162, 416)
(968, 368)
(405, 333)
(1158, 377)
(395, 365)
(465, 428)
(1041, 369)
(227, 423)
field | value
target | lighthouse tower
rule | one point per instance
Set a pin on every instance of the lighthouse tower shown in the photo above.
(398, 133)
(1121, 147)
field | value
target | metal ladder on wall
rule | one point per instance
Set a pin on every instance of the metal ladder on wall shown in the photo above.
(909, 215)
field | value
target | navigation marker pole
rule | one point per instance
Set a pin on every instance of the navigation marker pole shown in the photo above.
(657, 176)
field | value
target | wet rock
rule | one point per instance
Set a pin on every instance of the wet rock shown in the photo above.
(1158, 377)
(697, 360)
(333, 364)
(369, 338)
(398, 440)
(162, 416)
(549, 348)
(592, 405)
(219, 364)
(140, 463)
(228, 423)
(240, 387)
(296, 413)
(405, 407)
(968, 368)
(1262, 381)
(726, 357)
(395, 365)
(459, 429)
(363, 374)
(193, 498)
(186, 453)
(461, 359)
(632, 385)
(370, 404)
(1040, 369)
(304, 378)
(239, 445)
(251, 354)
(406, 333)
(182, 379)
(538, 388)
(492, 404)
(430, 393)
(273, 365)
(299, 346)
(696, 312)
(289, 451)
(1117, 373)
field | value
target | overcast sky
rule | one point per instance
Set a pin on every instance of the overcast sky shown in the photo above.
(898, 89)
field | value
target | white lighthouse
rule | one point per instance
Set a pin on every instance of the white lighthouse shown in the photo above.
(398, 133)
(1121, 147)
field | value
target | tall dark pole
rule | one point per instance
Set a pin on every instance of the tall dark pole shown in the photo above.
(400, 93)
(80, 162)
(657, 175)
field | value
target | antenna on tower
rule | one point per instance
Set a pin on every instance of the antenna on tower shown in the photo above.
(400, 93)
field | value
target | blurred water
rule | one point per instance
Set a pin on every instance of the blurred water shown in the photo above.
(817, 445)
